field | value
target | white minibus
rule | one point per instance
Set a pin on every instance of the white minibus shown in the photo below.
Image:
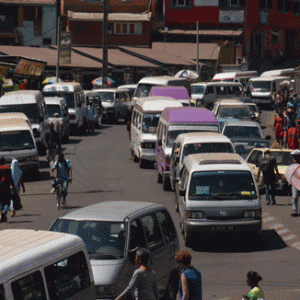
(44, 265)
(239, 76)
(281, 72)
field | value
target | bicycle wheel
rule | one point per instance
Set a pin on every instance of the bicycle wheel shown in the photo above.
(58, 195)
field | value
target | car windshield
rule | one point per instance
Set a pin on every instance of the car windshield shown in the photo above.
(103, 240)
(197, 89)
(234, 112)
(260, 86)
(283, 158)
(222, 185)
(174, 131)
(69, 96)
(150, 122)
(30, 110)
(253, 108)
(206, 148)
(53, 109)
(16, 140)
(242, 131)
(243, 148)
(107, 96)
(143, 90)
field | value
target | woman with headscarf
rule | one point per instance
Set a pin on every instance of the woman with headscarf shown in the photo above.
(17, 176)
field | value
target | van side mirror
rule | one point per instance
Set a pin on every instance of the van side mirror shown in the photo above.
(159, 142)
(181, 192)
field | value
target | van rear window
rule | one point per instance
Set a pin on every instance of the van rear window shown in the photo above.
(16, 140)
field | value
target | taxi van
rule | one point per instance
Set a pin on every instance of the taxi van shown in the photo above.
(145, 117)
(217, 193)
(36, 264)
(17, 141)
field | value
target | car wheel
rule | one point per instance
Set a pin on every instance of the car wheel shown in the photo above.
(172, 287)
(166, 184)
(142, 163)
(187, 238)
(159, 177)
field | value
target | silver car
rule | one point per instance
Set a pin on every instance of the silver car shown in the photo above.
(112, 231)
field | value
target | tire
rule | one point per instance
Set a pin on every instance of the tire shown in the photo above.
(159, 177)
(142, 163)
(210, 106)
(172, 287)
(187, 239)
(166, 184)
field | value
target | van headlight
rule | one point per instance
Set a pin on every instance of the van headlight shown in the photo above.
(32, 158)
(194, 214)
(251, 214)
(109, 290)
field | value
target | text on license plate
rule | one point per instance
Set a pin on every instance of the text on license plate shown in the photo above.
(223, 228)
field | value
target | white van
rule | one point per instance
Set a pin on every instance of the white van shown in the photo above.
(74, 95)
(17, 141)
(196, 142)
(240, 76)
(145, 84)
(144, 122)
(36, 264)
(262, 88)
(217, 193)
(281, 72)
(58, 105)
(205, 94)
(33, 105)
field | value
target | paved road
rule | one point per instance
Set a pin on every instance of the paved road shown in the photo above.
(103, 171)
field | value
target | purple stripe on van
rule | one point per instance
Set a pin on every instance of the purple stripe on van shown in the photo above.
(176, 92)
(188, 115)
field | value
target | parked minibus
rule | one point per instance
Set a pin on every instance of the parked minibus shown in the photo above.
(44, 265)
(145, 84)
(175, 121)
(74, 95)
(281, 72)
(239, 76)
(144, 122)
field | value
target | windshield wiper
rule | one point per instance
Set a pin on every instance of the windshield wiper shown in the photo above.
(107, 255)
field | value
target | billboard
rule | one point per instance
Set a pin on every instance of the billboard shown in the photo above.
(65, 43)
(28, 67)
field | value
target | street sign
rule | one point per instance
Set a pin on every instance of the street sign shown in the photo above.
(65, 43)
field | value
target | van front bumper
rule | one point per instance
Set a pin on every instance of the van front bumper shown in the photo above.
(193, 226)
(148, 154)
(29, 165)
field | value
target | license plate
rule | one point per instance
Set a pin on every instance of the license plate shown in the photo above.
(223, 228)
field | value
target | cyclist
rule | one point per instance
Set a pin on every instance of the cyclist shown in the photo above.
(63, 169)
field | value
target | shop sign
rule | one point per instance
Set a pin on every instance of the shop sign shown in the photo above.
(27, 67)
(3, 71)
(231, 16)
(206, 2)
(65, 43)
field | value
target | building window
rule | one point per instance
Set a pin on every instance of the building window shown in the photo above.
(46, 41)
(265, 4)
(128, 28)
(232, 3)
(181, 3)
(296, 7)
(284, 5)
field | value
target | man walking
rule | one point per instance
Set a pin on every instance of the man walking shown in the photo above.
(58, 129)
(51, 144)
(90, 113)
(295, 192)
(6, 181)
(267, 166)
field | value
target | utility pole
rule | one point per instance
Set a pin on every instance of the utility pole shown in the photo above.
(58, 48)
(197, 60)
(105, 44)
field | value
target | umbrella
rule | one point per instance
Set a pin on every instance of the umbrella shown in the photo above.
(292, 175)
(187, 74)
(98, 81)
(50, 80)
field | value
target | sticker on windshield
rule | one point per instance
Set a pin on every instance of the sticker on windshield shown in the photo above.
(152, 129)
(246, 193)
(202, 190)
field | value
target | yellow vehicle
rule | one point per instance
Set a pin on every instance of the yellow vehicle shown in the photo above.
(283, 158)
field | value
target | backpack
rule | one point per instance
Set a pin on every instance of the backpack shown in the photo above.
(4, 180)
(265, 164)
(51, 140)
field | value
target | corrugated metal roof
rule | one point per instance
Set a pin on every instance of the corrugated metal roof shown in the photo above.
(227, 33)
(188, 51)
(37, 2)
(114, 17)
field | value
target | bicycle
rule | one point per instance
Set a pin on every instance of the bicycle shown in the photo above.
(59, 195)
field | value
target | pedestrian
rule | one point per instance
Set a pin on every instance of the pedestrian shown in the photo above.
(295, 191)
(190, 283)
(293, 137)
(288, 119)
(90, 114)
(143, 281)
(279, 127)
(17, 176)
(256, 293)
(58, 127)
(267, 166)
(51, 139)
(6, 184)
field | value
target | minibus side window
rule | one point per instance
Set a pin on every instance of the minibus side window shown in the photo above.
(134, 118)
(209, 90)
(67, 277)
(29, 287)
(2, 292)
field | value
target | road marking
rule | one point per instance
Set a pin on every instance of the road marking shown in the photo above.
(282, 231)
(268, 219)
(290, 237)
(276, 226)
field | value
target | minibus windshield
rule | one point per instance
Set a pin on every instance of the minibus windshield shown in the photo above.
(30, 110)
(198, 89)
(106, 96)
(260, 86)
(53, 109)
(150, 122)
(103, 240)
(143, 90)
(68, 96)
(175, 130)
(16, 140)
(189, 149)
(222, 185)
(235, 112)
(242, 131)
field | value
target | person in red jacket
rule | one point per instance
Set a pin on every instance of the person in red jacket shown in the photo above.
(292, 137)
